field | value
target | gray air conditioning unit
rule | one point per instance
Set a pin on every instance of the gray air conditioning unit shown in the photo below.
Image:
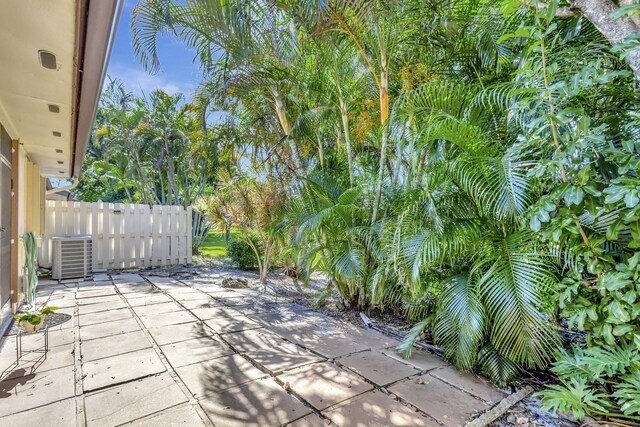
(72, 257)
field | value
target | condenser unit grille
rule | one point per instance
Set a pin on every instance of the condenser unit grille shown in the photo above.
(72, 257)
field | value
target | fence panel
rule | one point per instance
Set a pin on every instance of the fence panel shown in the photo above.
(124, 235)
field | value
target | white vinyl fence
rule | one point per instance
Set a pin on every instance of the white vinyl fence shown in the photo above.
(123, 235)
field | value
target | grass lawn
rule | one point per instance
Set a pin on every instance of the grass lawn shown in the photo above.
(214, 246)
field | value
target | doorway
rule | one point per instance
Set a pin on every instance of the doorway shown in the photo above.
(5, 228)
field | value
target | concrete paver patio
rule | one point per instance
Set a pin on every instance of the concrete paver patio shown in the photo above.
(161, 352)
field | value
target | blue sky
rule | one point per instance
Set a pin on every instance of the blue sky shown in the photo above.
(178, 73)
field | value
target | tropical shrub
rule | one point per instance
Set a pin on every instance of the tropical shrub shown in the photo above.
(241, 254)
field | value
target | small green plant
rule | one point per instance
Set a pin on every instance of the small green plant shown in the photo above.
(34, 317)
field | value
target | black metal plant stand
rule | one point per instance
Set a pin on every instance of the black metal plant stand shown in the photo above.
(20, 352)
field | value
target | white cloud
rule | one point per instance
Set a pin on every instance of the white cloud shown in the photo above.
(139, 82)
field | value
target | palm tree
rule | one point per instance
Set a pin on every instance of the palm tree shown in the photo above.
(247, 46)
(494, 308)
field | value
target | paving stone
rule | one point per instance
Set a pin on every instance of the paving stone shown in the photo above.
(96, 292)
(420, 359)
(148, 300)
(254, 339)
(376, 409)
(135, 290)
(241, 301)
(126, 278)
(163, 319)
(62, 302)
(31, 390)
(159, 280)
(330, 344)
(116, 327)
(62, 413)
(104, 316)
(196, 350)
(132, 292)
(104, 306)
(178, 287)
(469, 383)
(101, 277)
(34, 341)
(64, 292)
(255, 293)
(258, 306)
(113, 345)
(447, 404)
(222, 324)
(324, 384)
(188, 296)
(213, 312)
(311, 420)
(285, 357)
(121, 368)
(183, 415)
(285, 316)
(57, 357)
(258, 403)
(108, 299)
(374, 339)
(170, 286)
(181, 332)
(153, 309)
(206, 378)
(270, 350)
(133, 400)
(98, 300)
(224, 293)
(377, 368)
(200, 303)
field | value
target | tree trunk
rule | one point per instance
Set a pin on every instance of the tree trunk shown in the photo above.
(614, 29)
(286, 128)
(256, 252)
(384, 115)
(320, 150)
(347, 138)
(265, 260)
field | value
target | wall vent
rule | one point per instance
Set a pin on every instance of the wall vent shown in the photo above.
(72, 257)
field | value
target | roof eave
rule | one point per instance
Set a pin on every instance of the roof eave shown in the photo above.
(97, 21)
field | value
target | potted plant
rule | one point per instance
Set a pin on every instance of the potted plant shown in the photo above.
(32, 320)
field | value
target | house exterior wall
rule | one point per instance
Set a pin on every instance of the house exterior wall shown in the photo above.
(30, 208)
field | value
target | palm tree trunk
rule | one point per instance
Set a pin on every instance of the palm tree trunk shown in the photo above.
(384, 116)
(347, 136)
(286, 128)
(320, 150)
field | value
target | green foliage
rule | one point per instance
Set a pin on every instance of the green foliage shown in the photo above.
(242, 254)
(470, 165)
(34, 316)
(30, 266)
(595, 380)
